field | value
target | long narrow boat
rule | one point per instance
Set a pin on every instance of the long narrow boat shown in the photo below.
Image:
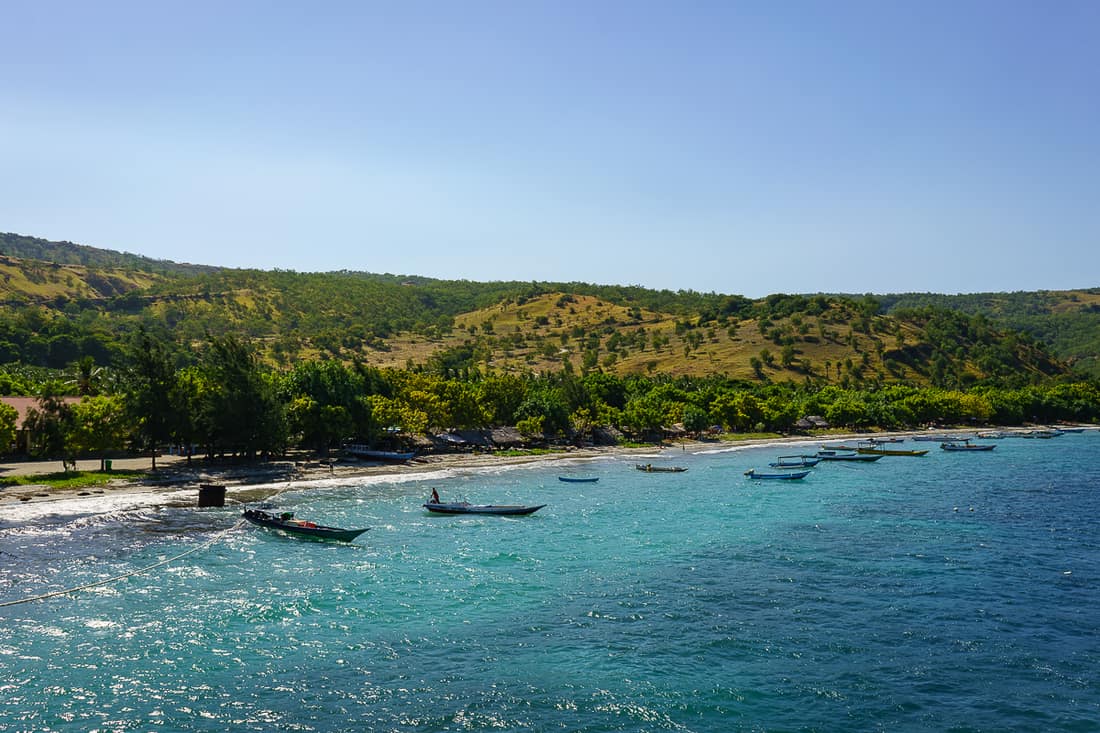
(579, 479)
(650, 468)
(966, 445)
(463, 507)
(361, 451)
(829, 455)
(873, 449)
(286, 522)
(789, 476)
(795, 462)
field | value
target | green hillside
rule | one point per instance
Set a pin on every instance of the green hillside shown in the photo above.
(59, 311)
(1067, 321)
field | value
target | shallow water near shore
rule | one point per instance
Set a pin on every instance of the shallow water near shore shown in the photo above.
(953, 591)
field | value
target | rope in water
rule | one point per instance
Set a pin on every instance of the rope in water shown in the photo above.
(115, 579)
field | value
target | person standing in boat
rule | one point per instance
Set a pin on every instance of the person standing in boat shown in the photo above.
(435, 496)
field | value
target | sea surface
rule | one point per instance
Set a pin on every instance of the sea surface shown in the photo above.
(952, 592)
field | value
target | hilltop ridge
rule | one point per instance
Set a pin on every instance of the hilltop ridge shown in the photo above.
(71, 300)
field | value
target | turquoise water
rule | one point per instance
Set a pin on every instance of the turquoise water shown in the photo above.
(950, 592)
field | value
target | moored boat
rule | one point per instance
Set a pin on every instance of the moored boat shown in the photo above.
(787, 476)
(831, 455)
(286, 522)
(966, 445)
(650, 468)
(795, 462)
(873, 449)
(579, 479)
(463, 507)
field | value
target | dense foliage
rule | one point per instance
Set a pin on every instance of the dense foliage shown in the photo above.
(230, 402)
(253, 363)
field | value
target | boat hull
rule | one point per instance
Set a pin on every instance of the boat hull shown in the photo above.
(298, 529)
(951, 447)
(887, 452)
(659, 469)
(570, 480)
(791, 476)
(499, 510)
(859, 457)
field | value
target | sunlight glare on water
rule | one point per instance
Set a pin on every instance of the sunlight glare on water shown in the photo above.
(949, 591)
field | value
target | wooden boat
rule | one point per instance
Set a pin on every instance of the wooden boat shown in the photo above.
(873, 449)
(650, 468)
(286, 522)
(829, 455)
(463, 507)
(843, 448)
(966, 445)
(788, 476)
(795, 462)
(361, 451)
(579, 480)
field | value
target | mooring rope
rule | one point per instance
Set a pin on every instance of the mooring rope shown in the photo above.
(130, 574)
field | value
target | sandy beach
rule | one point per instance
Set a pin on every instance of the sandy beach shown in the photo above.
(177, 483)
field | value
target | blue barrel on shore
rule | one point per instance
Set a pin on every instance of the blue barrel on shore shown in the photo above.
(211, 495)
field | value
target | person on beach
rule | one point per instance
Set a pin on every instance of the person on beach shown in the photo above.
(435, 496)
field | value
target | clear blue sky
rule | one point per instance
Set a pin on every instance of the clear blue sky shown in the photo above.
(737, 147)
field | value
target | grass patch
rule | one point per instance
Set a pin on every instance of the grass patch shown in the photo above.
(70, 479)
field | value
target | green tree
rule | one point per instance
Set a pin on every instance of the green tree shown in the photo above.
(99, 426)
(8, 418)
(239, 411)
(149, 385)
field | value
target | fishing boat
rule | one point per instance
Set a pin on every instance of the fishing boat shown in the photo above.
(941, 437)
(874, 449)
(788, 476)
(831, 455)
(579, 479)
(966, 445)
(841, 448)
(795, 462)
(361, 451)
(650, 468)
(463, 507)
(286, 522)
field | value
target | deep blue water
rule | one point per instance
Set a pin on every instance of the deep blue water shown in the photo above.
(950, 592)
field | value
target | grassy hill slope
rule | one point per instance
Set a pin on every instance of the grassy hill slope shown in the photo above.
(62, 311)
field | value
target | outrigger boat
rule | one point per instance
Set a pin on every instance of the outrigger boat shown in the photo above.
(650, 468)
(286, 522)
(873, 449)
(789, 476)
(832, 455)
(795, 462)
(361, 451)
(966, 445)
(463, 507)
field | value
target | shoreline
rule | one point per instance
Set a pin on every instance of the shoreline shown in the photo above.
(177, 484)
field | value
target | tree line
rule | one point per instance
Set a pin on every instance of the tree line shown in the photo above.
(228, 401)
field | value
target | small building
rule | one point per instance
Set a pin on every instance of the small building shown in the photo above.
(23, 405)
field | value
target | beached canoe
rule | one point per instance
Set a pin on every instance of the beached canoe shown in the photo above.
(463, 507)
(286, 522)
